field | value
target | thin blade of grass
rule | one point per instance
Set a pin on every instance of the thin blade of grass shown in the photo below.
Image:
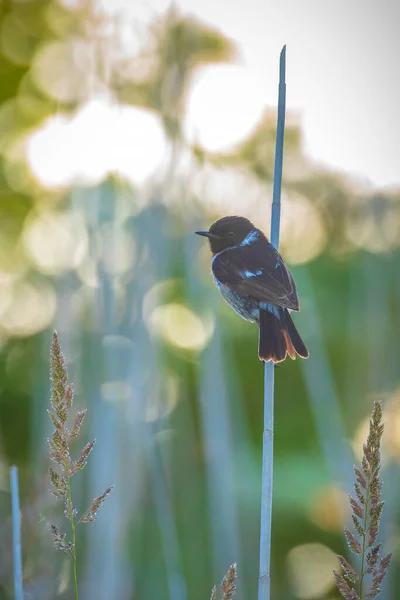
(16, 526)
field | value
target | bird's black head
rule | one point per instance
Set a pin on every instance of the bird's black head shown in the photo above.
(228, 232)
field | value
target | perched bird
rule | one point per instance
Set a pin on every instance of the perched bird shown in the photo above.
(252, 277)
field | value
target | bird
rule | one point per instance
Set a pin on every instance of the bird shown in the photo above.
(254, 280)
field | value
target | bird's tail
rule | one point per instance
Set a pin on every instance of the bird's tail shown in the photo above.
(279, 337)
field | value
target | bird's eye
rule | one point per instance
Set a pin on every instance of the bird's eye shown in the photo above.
(230, 234)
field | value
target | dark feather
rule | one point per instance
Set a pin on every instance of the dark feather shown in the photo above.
(278, 337)
(272, 344)
(269, 279)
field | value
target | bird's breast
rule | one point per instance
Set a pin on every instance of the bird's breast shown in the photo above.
(246, 307)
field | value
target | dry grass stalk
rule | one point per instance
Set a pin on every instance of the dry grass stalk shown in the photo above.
(59, 451)
(366, 507)
(228, 585)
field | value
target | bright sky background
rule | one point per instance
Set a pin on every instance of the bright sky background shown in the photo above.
(342, 71)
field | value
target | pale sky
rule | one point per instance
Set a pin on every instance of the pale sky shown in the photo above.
(342, 70)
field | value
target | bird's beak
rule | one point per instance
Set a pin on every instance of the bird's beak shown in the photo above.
(207, 234)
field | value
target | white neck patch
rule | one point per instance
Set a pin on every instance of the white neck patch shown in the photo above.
(250, 237)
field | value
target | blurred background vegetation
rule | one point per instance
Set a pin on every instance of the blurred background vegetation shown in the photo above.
(104, 176)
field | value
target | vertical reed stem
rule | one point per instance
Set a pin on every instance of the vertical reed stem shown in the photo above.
(16, 526)
(264, 580)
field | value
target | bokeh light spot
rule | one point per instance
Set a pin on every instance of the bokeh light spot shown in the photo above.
(225, 190)
(50, 153)
(87, 272)
(32, 309)
(6, 293)
(303, 232)
(62, 69)
(55, 241)
(160, 405)
(391, 439)
(225, 104)
(139, 143)
(328, 508)
(116, 248)
(116, 391)
(99, 140)
(310, 570)
(158, 294)
(374, 232)
(181, 327)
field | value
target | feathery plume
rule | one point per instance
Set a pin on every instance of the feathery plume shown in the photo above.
(228, 585)
(366, 509)
(91, 513)
(61, 401)
(79, 418)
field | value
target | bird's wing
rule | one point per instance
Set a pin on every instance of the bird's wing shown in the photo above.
(258, 271)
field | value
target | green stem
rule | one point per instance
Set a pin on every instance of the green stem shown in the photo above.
(362, 574)
(73, 537)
